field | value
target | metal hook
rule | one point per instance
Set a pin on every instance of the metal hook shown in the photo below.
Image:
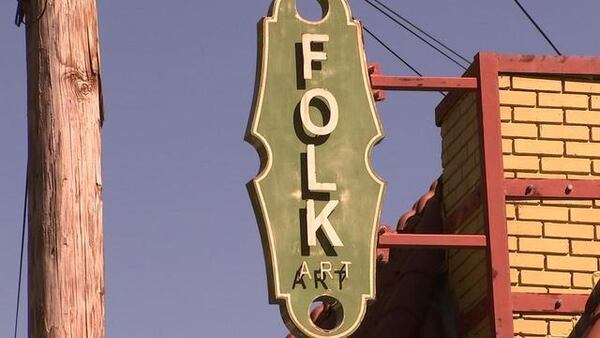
(20, 14)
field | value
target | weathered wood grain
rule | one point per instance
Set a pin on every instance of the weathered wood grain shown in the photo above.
(66, 264)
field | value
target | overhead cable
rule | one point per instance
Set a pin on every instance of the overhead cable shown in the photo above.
(415, 34)
(391, 51)
(394, 53)
(24, 222)
(538, 27)
(391, 10)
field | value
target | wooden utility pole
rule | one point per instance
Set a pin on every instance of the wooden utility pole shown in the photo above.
(66, 254)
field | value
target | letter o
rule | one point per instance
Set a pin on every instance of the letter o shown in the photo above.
(309, 126)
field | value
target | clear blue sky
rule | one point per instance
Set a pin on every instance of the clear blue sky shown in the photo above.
(183, 253)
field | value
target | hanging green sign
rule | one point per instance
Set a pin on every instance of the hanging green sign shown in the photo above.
(316, 198)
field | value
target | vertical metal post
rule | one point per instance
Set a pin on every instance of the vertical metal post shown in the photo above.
(500, 299)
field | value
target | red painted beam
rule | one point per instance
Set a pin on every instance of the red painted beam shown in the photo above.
(549, 303)
(549, 64)
(416, 83)
(395, 240)
(494, 197)
(551, 188)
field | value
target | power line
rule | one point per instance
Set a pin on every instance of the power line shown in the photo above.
(415, 34)
(22, 252)
(538, 27)
(392, 51)
(422, 31)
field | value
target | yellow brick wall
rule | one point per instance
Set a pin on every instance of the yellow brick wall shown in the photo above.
(460, 152)
(467, 270)
(551, 326)
(551, 129)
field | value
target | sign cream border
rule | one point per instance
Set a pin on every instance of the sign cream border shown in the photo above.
(256, 181)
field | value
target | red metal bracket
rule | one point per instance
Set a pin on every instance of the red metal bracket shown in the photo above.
(551, 188)
(375, 68)
(417, 83)
(501, 301)
(395, 240)
(380, 83)
(494, 198)
(549, 303)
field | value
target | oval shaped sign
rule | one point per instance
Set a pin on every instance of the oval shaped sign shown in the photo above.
(317, 199)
